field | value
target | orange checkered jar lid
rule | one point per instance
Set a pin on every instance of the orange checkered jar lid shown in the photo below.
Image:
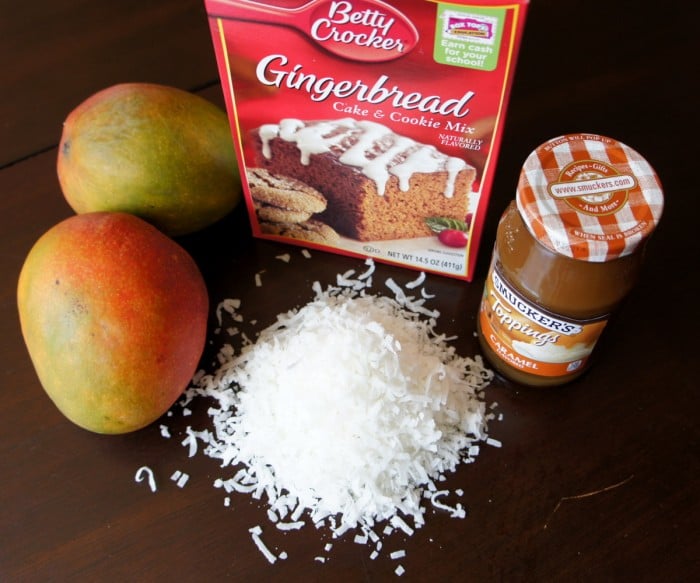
(589, 197)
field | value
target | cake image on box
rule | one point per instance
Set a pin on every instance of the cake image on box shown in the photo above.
(378, 185)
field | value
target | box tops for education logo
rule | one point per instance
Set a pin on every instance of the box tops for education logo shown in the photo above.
(464, 26)
(469, 37)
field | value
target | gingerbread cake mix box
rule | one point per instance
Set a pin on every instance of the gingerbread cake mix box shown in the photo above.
(367, 127)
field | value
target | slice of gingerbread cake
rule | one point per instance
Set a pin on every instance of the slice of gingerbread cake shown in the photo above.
(379, 185)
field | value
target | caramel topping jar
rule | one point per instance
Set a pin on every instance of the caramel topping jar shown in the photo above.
(568, 250)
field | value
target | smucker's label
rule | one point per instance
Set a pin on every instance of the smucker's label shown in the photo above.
(589, 197)
(592, 187)
(529, 338)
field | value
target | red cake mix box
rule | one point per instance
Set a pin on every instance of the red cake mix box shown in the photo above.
(369, 128)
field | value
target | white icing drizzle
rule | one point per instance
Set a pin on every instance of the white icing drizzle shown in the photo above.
(371, 147)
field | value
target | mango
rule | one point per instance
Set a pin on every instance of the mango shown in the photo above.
(158, 152)
(114, 316)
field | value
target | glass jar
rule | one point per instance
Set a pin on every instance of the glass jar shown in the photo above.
(568, 250)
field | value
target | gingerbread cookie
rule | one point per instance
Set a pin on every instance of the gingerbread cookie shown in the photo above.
(282, 199)
(311, 230)
(275, 214)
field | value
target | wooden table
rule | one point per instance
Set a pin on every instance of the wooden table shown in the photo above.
(598, 481)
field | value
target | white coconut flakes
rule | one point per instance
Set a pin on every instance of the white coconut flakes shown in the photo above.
(346, 411)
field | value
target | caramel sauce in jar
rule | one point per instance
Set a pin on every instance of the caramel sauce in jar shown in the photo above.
(568, 250)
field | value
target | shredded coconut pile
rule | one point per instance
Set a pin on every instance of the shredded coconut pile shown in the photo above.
(344, 412)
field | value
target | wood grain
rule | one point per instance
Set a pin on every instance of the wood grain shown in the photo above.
(597, 481)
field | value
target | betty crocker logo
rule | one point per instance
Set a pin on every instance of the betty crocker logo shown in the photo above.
(359, 30)
(370, 31)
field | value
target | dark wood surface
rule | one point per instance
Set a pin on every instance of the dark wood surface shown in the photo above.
(597, 481)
